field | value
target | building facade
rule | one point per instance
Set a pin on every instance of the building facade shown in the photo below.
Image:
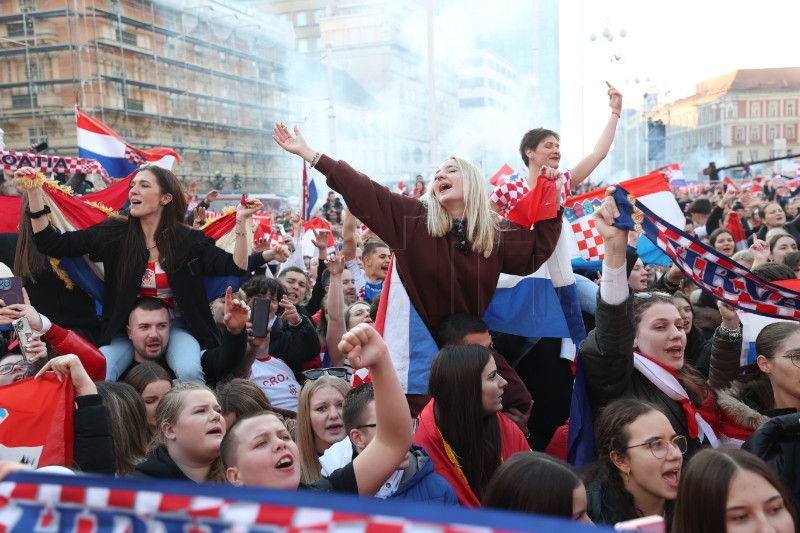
(740, 117)
(207, 80)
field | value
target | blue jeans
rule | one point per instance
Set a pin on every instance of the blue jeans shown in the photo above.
(182, 355)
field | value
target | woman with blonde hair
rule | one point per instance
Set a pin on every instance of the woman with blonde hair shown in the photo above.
(449, 246)
(190, 430)
(319, 417)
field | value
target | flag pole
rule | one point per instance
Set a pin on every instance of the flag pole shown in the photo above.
(304, 203)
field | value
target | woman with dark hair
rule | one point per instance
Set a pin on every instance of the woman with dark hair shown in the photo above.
(731, 491)
(462, 427)
(639, 457)
(768, 387)
(51, 292)
(698, 350)
(637, 348)
(722, 241)
(151, 381)
(539, 484)
(780, 246)
(149, 253)
(128, 424)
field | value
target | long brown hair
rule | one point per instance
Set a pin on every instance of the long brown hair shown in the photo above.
(768, 343)
(29, 262)
(128, 424)
(172, 249)
(310, 466)
(455, 384)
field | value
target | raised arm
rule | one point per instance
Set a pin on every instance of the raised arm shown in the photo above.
(33, 183)
(336, 327)
(349, 229)
(364, 347)
(241, 245)
(586, 166)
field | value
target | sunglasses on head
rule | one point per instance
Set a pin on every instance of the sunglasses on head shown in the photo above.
(334, 371)
(458, 229)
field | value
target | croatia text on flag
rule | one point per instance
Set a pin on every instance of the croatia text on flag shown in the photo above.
(36, 421)
(92, 504)
(652, 190)
(98, 141)
(713, 272)
(47, 163)
(410, 344)
(543, 304)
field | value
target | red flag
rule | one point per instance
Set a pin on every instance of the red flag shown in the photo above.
(36, 421)
(737, 230)
(319, 223)
(501, 176)
(730, 183)
(10, 206)
(539, 204)
(304, 206)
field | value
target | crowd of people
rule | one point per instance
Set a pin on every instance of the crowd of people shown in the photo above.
(175, 383)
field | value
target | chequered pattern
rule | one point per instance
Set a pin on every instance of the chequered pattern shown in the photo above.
(133, 156)
(508, 194)
(590, 244)
(47, 164)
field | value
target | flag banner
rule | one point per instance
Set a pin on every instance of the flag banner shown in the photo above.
(223, 230)
(674, 175)
(652, 190)
(502, 176)
(120, 159)
(10, 206)
(92, 504)
(410, 344)
(51, 163)
(730, 183)
(310, 194)
(713, 272)
(36, 421)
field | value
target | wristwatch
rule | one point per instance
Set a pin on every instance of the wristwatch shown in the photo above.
(732, 334)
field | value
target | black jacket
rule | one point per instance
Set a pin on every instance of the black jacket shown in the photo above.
(777, 442)
(607, 356)
(159, 465)
(93, 442)
(105, 243)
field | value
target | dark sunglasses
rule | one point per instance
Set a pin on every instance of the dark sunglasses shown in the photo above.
(334, 371)
(458, 229)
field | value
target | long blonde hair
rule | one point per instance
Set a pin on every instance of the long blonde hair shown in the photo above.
(482, 226)
(168, 411)
(310, 466)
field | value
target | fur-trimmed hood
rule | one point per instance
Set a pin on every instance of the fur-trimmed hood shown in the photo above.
(732, 403)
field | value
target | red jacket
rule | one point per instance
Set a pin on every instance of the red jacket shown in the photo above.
(65, 341)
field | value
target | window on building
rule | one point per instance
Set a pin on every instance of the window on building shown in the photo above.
(177, 140)
(772, 109)
(740, 157)
(24, 101)
(37, 135)
(318, 14)
(753, 155)
(33, 70)
(470, 83)
(205, 155)
(755, 109)
(125, 133)
(790, 109)
(301, 18)
(134, 104)
(26, 6)
(18, 29)
(772, 133)
(471, 102)
(126, 37)
(790, 132)
(740, 133)
(755, 133)
(302, 45)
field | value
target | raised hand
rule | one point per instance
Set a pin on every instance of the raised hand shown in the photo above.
(236, 313)
(252, 206)
(335, 263)
(614, 99)
(200, 217)
(363, 346)
(760, 251)
(9, 313)
(211, 196)
(321, 240)
(280, 253)
(730, 319)
(70, 365)
(290, 313)
(293, 144)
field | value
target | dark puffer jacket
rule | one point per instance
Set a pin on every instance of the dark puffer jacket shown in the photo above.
(777, 442)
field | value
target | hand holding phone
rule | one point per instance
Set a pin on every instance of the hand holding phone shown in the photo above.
(11, 291)
(24, 333)
(260, 318)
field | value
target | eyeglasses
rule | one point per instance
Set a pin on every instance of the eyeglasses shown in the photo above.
(793, 357)
(366, 426)
(458, 229)
(659, 447)
(334, 371)
(9, 367)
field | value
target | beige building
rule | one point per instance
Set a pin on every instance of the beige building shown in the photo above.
(206, 80)
(743, 116)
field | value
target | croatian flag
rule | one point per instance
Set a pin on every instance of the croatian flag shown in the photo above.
(502, 176)
(543, 304)
(652, 190)
(730, 183)
(410, 344)
(120, 159)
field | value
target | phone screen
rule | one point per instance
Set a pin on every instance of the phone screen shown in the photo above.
(260, 318)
